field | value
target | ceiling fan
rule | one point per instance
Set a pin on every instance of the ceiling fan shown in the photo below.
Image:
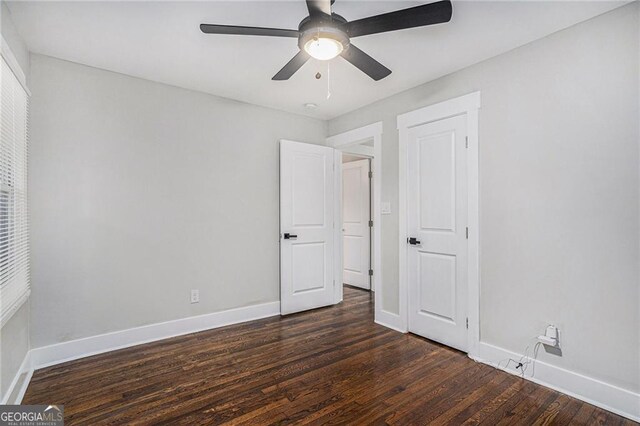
(324, 35)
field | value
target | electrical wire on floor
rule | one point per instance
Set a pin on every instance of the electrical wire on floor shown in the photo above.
(522, 364)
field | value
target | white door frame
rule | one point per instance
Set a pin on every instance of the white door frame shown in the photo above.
(347, 142)
(464, 105)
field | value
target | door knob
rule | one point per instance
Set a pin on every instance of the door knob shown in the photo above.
(413, 241)
(288, 236)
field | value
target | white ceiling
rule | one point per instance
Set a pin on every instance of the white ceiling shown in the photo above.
(161, 41)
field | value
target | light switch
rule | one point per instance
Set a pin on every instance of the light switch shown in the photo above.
(386, 207)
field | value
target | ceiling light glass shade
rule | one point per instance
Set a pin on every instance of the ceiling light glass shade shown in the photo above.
(323, 48)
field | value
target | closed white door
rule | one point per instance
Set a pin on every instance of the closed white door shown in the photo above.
(437, 227)
(355, 223)
(306, 226)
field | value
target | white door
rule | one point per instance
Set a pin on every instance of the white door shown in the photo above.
(306, 226)
(355, 223)
(437, 227)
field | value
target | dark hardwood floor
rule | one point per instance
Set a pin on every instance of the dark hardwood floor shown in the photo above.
(329, 366)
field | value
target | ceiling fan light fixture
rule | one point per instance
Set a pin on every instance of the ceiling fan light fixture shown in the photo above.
(323, 48)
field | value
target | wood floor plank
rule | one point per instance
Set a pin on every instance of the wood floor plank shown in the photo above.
(552, 411)
(568, 412)
(327, 366)
(487, 406)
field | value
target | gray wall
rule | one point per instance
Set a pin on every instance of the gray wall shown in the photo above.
(559, 192)
(14, 336)
(141, 192)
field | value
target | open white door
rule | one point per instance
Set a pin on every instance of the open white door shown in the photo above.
(356, 216)
(306, 226)
(437, 226)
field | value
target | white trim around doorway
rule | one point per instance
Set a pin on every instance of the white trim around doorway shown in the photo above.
(346, 142)
(464, 105)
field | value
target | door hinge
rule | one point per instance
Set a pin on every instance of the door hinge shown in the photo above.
(370, 175)
(370, 224)
(466, 142)
(467, 323)
(467, 233)
(370, 272)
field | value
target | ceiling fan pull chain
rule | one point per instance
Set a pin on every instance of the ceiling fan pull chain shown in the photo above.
(328, 79)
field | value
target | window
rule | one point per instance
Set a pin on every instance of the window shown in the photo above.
(14, 221)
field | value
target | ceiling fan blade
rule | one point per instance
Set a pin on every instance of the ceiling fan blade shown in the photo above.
(238, 30)
(292, 66)
(319, 6)
(365, 63)
(419, 16)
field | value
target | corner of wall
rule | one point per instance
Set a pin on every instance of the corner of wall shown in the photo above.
(14, 40)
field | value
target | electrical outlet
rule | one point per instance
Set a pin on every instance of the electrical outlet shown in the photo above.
(195, 296)
(550, 336)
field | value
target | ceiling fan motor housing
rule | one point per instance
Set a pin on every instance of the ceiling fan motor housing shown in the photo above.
(330, 27)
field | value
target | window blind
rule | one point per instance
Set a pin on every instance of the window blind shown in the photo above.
(14, 221)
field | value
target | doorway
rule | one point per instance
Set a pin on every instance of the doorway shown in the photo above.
(311, 210)
(297, 162)
(364, 143)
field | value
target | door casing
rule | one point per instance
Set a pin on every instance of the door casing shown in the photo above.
(352, 141)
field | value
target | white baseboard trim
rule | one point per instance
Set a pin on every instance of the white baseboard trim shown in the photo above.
(19, 382)
(390, 320)
(68, 351)
(596, 392)
(25, 385)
